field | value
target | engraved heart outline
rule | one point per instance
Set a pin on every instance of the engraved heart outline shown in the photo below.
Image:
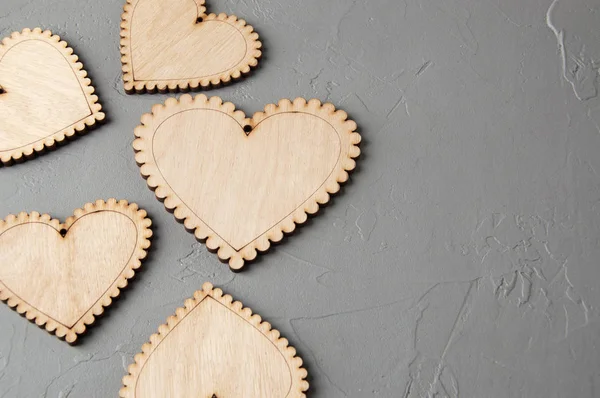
(298, 374)
(143, 146)
(70, 333)
(249, 61)
(10, 156)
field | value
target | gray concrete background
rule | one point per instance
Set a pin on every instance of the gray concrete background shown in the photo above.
(461, 261)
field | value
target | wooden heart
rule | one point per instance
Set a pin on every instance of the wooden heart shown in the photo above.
(171, 45)
(63, 275)
(213, 347)
(239, 191)
(44, 94)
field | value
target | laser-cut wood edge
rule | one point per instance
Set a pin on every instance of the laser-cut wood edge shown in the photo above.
(8, 157)
(149, 170)
(299, 374)
(142, 245)
(249, 61)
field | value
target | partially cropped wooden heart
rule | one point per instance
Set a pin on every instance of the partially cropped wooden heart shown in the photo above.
(174, 45)
(213, 347)
(238, 182)
(45, 95)
(63, 275)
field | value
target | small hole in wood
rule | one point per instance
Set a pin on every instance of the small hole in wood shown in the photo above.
(63, 232)
(199, 20)
(247, 128)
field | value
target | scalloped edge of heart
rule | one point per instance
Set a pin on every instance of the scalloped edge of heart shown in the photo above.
(249, 62)
(10, 156)
(143, 243)
(156, 182)
(299, 384)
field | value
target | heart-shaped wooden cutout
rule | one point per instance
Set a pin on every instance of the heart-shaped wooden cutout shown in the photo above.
(63, 275)
(240, 190)
(174, 45)
(213, 347)
(45, 95)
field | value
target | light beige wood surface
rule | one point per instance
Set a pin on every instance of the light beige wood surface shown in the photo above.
(45, 94)
(213, 347)
(174, 45)
(240, 190)
(63, 275)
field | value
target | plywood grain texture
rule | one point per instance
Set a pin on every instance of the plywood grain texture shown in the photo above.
(62, 275)
(214, 347)
(45, 96)
(467, 233)
(174, 45)
(240, 183)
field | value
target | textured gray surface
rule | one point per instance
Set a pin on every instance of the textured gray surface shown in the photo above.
(461, 261)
